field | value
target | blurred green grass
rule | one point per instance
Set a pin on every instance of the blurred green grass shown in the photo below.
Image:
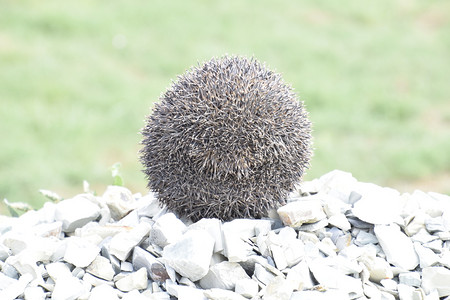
(78, 77)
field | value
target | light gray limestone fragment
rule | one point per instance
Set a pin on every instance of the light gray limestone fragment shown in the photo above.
(278, 289)
(399, 249)
(119, 200)
(16, 288)
(223, 275)
(220, 294)
(103, 292)
(134, 281)
(155, 269)
(69, 288)
(122, 243)
(214, 228)
(34, 293)
(296, 213)
(191, 254)
(427, 257)
(76, 212)
(436, 278)
(166, 230)
(410, 278)
(383, 207)
(102, 268)
(80, 252)
(247, 288)
(316, 295)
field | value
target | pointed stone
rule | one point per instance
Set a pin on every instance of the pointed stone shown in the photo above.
(76, 212)
(223, 275)
(134, 281)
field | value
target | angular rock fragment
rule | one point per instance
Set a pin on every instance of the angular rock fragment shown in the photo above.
(155, 269)
(80, 252)
(122, 243)
(296, 213)
(190, 255)
(76, 212)
(167, 229)
(436, 278)
(119, 200)
(223, 275)
(134, 281)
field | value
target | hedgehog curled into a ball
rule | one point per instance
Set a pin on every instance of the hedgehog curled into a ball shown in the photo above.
(229, 139)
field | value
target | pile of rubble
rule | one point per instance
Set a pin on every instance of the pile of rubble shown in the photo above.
(336, 238)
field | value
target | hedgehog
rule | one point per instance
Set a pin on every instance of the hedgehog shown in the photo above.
(229, 139)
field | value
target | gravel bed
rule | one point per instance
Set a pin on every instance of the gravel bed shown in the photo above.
(336, 238)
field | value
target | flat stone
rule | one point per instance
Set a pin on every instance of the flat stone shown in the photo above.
(314, 226)
(340, 221)
(135, 281)
(214, 228)
(184, 292)
(220, 294)
(34, 293)
(399, 249)
(190, 255)
(334, 279)
(16, 288)
(427, 257)
(364, 238)
(69, 288)
(166, 230)
(410, 279)
(102, 268)
(316, 295)
(278, 289)
(58, 270)
(155, 269)
(94, 280)
(300, 276)
(247, 288)
(122, 243)
(76, 212)
(235, 247)
(223, 275)
(148, 206)
(103, 292)
(80, 252)
(119, 200)
(384, 207)
(436, 278)
(263, 275)
(296, 213)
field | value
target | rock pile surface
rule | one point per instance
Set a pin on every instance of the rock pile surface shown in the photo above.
(336, 238)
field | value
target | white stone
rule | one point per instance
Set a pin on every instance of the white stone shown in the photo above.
(379, 208)
(95, 281)
(247, 288)
(136, 295)
(119, 200)
(340, 221)
(220, 294)
(296, 213)
(166, 230)
(137, 280)
(25, 263)
(436, 278)
(16, 288)
(76, 212)
(34, 293)
(398, 248)
(69, 288)
(80, 252)
(279, 289)
(338, 183)
(300, 276)
(123, 242)
(102, 268)
(364, 238)
(427, 257)
(316, 295)
(187, 292)
(235, 248)
(410, 278)
(262, 274)
(223, 275)
(332, 278)
(148, 205)
(427, 204)
(5, 280)
(214, 228)
(103, 292)
(58, 270)
(191, 254)
(416, 223)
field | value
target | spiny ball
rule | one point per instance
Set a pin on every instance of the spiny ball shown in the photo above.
(229, 139)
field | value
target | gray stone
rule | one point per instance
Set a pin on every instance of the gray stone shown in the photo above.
(340, 221)
(427, 257)
(155, 269)
(190, 255)
(364, 238)
(398, 248)
(122, 243)
(148, 206)
(296, 213)
(235, 247)
(214, 228)
(76, 212)
(223, 275)
(314, 226)
(410, 278)
(166, 230)
(137, 280)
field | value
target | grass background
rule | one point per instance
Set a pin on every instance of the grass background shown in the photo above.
(77, 79)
